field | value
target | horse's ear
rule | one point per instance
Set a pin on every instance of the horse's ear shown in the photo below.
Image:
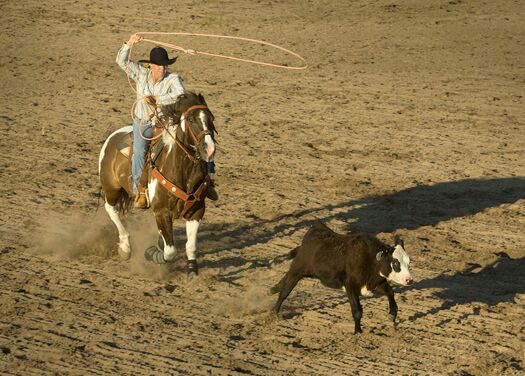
(178, 101)
(201, 98)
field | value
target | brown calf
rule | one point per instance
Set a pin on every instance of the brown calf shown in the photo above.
(359, 262)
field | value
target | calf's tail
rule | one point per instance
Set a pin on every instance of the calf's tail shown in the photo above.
(292, 253)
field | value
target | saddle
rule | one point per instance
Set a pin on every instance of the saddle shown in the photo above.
(125, 144)
(125, 147)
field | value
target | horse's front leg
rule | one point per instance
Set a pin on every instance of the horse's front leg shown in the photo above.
(165, 226)
(192, 228)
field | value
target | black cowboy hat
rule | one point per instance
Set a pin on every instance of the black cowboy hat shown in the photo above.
(159, 56)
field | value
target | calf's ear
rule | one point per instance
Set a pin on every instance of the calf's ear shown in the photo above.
(399, 241)
(382, 253)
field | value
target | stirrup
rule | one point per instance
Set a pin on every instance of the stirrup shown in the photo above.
(141, 200)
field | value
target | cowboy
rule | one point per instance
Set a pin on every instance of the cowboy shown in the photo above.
(155, 85)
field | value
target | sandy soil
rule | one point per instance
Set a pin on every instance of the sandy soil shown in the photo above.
(410, 120)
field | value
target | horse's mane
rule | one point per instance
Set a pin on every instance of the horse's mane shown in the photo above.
(183, 102)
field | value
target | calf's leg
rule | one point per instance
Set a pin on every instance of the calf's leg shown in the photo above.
(385, 289)
(286, 285)
(355, 304)
(278, 287)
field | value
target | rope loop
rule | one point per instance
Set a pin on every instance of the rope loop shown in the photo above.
(195, 52)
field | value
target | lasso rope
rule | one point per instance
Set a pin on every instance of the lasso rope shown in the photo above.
(195, 52)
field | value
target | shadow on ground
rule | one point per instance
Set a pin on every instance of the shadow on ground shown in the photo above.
(422, 205)
(492, 284)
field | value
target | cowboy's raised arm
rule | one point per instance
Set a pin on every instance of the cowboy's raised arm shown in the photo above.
(132, 68)
(176, 89)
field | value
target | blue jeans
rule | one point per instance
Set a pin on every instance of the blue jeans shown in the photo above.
(140, 147)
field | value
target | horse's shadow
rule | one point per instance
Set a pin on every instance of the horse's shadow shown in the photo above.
(499, 282)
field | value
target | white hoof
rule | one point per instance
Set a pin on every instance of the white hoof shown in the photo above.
(124, 255)
(169, 252)
(124, 249)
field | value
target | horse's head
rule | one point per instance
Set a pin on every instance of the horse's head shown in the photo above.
(196, 124)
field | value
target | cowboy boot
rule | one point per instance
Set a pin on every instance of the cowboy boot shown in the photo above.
(141, 199)
(211, 193)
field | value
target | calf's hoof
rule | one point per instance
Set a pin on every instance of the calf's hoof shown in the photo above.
(358, 330)
(393, 319)
(275, 313)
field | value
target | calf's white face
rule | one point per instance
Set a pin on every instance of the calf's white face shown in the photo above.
(399, 267)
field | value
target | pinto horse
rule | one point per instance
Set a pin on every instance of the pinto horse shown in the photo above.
(177, 179)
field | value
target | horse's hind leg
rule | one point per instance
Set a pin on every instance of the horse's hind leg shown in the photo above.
(124, 247)
(192, 228)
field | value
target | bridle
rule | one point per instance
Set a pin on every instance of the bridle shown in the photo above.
(205, 132)
(196, 138)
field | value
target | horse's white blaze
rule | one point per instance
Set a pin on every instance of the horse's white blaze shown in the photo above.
(183, 123)
(403, 276)
(122, 232)
(152, 189)
(210, 145)
(126, 129)
(192, 228)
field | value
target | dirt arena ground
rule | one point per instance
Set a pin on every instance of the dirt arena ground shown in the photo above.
(410, 120)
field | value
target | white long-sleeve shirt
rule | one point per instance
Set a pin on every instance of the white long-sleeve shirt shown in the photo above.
(167, 89)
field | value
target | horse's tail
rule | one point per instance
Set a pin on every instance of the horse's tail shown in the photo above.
(124, 202)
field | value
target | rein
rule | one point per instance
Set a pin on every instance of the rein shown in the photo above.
(196, 138)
